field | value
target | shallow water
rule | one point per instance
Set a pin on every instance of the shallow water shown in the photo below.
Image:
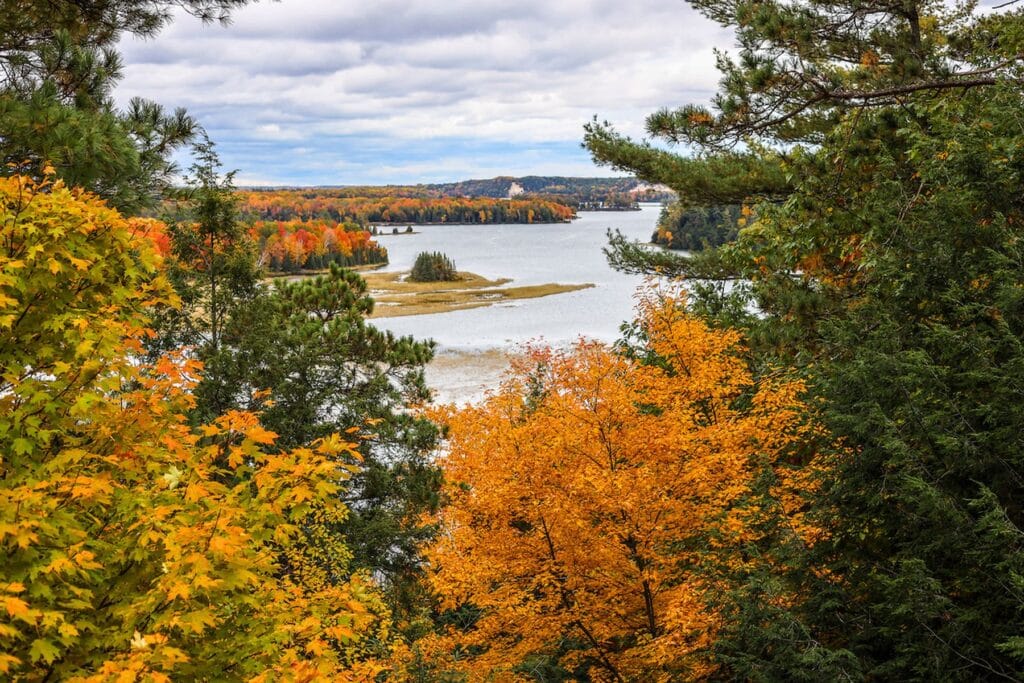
(568, 253)
(473, 344)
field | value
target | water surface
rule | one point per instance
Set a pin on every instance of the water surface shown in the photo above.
(568, 253)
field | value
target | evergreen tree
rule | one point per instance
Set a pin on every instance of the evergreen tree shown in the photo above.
(802, 68)
(59, 66)
(213, 268)
(433, 267)
(887, 270)
(308, 345)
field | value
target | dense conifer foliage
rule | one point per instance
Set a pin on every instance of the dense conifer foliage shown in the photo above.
(301, 354)
(433, 266)
(887, 269)
(304, 356)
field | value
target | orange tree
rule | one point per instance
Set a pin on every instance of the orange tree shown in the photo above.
(133, 546)
(588, 494)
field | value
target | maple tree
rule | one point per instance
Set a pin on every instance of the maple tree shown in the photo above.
(133, 545)
(586, 493)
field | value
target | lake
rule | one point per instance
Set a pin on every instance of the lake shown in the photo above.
(470, 341)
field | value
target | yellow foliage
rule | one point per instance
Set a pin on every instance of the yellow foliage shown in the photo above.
(131, 546)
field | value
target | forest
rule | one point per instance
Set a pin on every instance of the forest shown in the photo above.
(579, 193)
(802, 461)
(289, 246)
(339, 206)
(570, 191)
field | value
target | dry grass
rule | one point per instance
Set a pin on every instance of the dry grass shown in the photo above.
(396, 297)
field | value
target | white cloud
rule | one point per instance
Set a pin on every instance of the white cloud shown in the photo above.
(319, 75)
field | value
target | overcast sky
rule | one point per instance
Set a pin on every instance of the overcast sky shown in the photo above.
(337, 92)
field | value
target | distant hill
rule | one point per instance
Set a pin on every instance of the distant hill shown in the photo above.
(503, 186)
(577, 193)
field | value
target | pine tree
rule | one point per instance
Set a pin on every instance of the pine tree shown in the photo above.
(213, 270)
(60, 66)
(307, 343)
(888, 270)
(801, 68)
(433, 267)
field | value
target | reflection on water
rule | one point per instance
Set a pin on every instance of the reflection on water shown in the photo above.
(529, 254)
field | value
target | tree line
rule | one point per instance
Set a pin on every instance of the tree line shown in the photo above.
(286, 205)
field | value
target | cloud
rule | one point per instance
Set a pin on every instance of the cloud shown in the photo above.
(328, 92)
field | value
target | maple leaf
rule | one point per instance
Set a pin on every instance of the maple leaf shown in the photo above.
(138, 641)
(172, 477)
(103, 533)
(43, 650)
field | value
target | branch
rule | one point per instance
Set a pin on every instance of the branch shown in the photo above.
(870, 96)
(911, 88)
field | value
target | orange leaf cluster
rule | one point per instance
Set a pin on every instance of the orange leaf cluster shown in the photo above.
(585, 492)
(339, 205)
(293, 245)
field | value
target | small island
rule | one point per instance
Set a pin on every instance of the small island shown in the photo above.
(395, 295)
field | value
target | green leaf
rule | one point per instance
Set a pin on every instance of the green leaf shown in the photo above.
(43, 649)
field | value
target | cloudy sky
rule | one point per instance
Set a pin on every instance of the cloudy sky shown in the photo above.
(338, 92)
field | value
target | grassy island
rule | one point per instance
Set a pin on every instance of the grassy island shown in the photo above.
(396, 295)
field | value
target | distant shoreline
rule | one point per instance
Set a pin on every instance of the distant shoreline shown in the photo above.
(415, 224)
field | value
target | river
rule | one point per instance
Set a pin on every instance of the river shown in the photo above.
(473, 344)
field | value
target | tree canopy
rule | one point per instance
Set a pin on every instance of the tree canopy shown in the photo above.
(588, 493)
(59, 66)
(886, 272)
(133, 544)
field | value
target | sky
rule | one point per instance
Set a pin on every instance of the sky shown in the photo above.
(337, 92)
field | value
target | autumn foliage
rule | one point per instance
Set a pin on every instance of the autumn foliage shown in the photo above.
(313, 244)
(586, 493)
(339, 206)
(133, 546)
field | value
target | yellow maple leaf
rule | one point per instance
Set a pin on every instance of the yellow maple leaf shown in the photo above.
(139, 641)
(16, 607)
